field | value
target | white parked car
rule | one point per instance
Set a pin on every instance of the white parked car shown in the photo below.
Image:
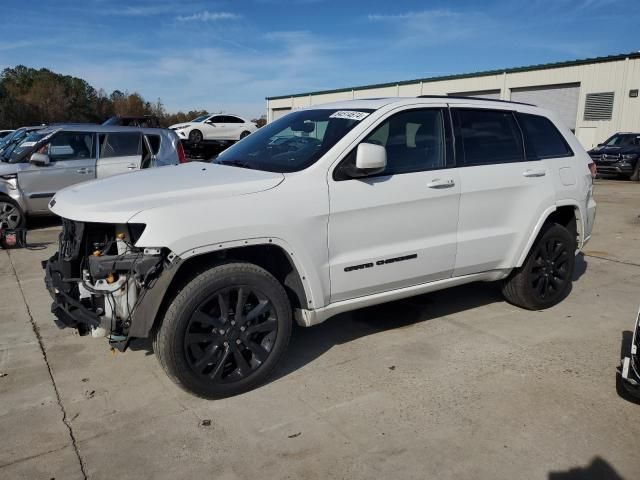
(328, 209)
(214, 127)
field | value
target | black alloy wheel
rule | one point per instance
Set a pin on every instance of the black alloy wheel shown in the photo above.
(545, 277)
(549, 271)
(225, 330)
(231, 334)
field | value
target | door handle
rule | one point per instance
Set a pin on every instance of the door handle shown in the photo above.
(534, 173)
(83, 170)
(441, 183)
(131, 166)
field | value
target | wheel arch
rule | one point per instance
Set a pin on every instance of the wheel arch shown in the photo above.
(269, 255)
(567, 214)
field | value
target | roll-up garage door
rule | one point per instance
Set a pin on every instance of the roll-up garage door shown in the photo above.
(279, 112)
(488, 94)
(561, 99)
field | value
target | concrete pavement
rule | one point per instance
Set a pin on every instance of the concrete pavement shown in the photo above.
(454, 384)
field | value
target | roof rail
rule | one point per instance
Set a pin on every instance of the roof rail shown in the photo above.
(461, 97)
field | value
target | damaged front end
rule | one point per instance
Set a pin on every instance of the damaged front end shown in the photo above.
(100, 281)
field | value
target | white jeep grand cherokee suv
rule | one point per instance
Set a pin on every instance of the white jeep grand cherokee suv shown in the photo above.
(328, 209)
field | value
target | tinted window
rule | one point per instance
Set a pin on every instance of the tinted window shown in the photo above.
(69, 146)
(488, 136)
(414, 140)
(119, 144)
(230, 119)
(154, 141)
(218, 119)
(541, 138)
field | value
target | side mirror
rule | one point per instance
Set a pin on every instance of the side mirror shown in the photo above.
(601, 144)
(370, 159)
(39, 159)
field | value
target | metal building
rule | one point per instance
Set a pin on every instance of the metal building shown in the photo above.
(595, 97)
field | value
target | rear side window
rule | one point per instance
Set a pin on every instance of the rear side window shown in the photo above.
(487, 136)
(122, 144)
(541, 138)
(230, 119)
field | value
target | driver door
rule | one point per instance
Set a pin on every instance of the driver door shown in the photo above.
(72, 160)
(215, 128)
(398, 228)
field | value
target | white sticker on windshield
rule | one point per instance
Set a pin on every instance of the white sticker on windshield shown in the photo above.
(349, 115)
(27, 144)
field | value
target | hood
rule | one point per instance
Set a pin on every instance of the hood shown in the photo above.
(116, 199)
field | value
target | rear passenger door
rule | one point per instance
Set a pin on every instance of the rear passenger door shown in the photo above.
(503, 194)
(119, 152)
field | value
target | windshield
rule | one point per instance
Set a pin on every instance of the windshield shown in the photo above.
(201, 118)
(623, 140)
(112, 121)
(293, 142)
(17, 151)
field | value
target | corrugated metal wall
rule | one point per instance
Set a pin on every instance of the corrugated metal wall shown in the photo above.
(617, 76)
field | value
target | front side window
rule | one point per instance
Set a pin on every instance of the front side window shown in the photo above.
(487, 136)
(414, 141)
(294, 142)
(200, 119)
(541, 138)
(121, 144)
(69, 146)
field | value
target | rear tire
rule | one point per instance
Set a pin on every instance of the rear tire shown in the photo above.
(544, 279)
(195, 136)
(244, 134)
(225, 331)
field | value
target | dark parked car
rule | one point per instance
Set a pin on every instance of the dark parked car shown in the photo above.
(619, 154)
(145, 121)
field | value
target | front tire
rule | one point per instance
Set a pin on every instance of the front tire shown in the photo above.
(195, 136)
(544, 279)
(225, 331)
(11, 215)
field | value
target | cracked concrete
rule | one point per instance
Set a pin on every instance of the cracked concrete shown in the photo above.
(455, 384)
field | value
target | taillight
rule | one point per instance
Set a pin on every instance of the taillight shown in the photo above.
(593, 169)
(182, 157)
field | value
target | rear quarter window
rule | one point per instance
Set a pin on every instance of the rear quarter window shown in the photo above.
(541, 138)
(124, 144)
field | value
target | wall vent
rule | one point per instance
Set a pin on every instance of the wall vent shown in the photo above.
(598, 106)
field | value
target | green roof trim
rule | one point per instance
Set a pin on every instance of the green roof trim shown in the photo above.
(487, 73)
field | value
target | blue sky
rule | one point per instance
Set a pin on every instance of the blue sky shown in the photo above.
(229, 55)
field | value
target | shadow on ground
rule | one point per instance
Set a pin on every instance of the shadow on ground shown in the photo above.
(308, 344)
(598, 469)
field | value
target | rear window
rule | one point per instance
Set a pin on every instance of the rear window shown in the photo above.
(488, 136)
(124, 144)
(541, 138)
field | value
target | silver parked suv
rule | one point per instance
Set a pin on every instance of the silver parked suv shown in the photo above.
(58, 156)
